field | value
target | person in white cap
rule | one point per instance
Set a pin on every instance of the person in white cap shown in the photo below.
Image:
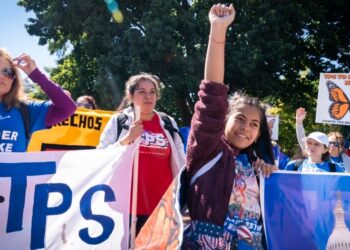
(336, 141)
(317, 152)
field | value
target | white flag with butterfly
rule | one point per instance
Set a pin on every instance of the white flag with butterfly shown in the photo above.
(273, 125)
(333, 99)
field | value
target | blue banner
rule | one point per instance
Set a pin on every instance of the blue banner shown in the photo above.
(306, 211)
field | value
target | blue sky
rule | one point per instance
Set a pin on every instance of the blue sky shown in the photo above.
(15, 38)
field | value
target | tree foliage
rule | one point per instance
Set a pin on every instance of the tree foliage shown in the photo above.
(275, 49)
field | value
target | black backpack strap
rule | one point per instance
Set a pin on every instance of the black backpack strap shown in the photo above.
(24, 110)
(121, 119)
(297, 164)
(169, 126)
(332, 167)
(167, 123)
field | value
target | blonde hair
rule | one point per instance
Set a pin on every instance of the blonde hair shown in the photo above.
(12, 98)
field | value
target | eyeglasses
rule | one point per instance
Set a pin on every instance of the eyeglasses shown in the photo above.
(335, 144)
(85, 105)
(8, 72)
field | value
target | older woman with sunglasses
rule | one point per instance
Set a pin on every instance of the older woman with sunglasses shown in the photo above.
(14, 134)
(336, 142)
(336, 150)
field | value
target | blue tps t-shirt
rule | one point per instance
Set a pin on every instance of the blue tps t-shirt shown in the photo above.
(307, 166)
(12, 130)
(338, 160)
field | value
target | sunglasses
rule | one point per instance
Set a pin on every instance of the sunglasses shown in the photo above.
(8, 72)
(335, 144)
(85, 105)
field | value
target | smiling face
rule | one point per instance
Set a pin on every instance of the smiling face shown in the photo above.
(315, 149)
(336, 145)
(6, 79)
(243, 126)
(145, 96)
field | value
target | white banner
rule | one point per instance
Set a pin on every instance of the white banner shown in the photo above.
(65, 200)
(333, 99)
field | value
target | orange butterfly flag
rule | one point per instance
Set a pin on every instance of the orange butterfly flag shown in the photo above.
(164, 228)
(333, 102)
(340, 102)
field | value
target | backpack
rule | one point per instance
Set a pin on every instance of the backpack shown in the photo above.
(24, 110)
(122, 118)
(298, 163)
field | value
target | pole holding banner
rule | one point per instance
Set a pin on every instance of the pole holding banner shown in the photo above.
(134, 187)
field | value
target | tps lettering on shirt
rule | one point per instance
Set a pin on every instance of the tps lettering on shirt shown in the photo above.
(154, 140)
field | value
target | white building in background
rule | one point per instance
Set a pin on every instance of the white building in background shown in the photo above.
(340, 237)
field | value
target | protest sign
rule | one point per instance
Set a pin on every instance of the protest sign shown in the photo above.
(333, 99)
(80, 131)
(306, 211)
(273, 124)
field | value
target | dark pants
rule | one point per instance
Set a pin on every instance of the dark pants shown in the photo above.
(141, 220)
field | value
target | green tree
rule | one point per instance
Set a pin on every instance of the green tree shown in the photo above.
(270, 47)
(104, 54)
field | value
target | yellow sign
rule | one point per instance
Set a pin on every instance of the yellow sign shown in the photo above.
(80, 131)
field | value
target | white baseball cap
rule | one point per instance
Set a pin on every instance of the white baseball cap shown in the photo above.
(318, 136)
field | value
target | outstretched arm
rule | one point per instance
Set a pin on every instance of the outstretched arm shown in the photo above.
(300, 115)
(220, 17)
(208, 121)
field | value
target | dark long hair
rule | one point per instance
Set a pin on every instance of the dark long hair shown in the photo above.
(262, 147)
(89, 99)
(326, 156)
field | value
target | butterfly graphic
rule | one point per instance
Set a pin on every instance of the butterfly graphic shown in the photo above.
(271, 122)
(340, 102)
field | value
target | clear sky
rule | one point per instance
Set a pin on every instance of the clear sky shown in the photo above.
(14, 36)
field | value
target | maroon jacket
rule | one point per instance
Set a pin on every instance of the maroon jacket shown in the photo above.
(208, 196)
